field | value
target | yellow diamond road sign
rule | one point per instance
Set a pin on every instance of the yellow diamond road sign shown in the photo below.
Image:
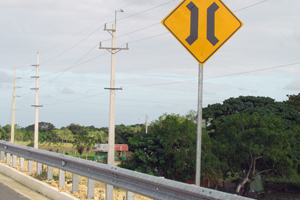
(202, 26)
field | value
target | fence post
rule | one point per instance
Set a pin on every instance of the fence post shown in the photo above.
(14, 160)
(91, 189)
(30, 166)
(109, 192)
(129, 195)
(39, 168)
(8, 158)
(21, 162)
(49, 173)
(75, 183)
(61, 178)
(2, 155)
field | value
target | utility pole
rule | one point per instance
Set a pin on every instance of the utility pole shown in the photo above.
(199, 126)
(12, 130)
(146, 124)
(111, 130)
(36, 124)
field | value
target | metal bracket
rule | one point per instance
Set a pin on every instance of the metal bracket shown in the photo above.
(114, 88)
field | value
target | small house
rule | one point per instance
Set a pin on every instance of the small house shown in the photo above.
(101, 151)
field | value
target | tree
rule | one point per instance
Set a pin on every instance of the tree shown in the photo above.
(82, 142)
(294, 101)
(169, 149)
(250, 104)
(5, 132)
(77, 129)
(65, 135)
(253, 135)
(252, 144)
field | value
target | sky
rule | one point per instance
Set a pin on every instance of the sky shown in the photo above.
(157, 74)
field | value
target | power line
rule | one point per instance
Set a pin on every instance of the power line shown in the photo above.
(86, 28)
(70, 66)
(71, 47)
(176, 82)
(144, 11)
(250, 6)
(76, 99)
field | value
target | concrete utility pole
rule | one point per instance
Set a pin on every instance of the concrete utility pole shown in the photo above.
(112, 88)
(36, 124)
(146, 124)
(199, 126)
(12, 130)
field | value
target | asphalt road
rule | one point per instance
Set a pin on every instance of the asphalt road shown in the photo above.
(8, 193)
(13, 190)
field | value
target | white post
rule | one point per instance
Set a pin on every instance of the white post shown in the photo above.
(199, 126)
(61, 178)
(21, 162)
(7, 158)
(146, 124)
(12, 131)
(75, 183)
(111, 129)
(2, 155)
(90, 189)
(49, 173)
(36, 124)
(30, 166)
(14, 160)
(129, 195)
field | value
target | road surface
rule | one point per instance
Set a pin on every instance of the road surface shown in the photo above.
(12, 190)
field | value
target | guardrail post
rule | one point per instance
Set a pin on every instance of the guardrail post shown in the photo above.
(91, 189)
(39, 168)
(8, 158)
(2, 155)
(49, 173)
(14, 160)
(129, 195)
(75, 182)
(61, 178)
(21, 162)
(109, 192)
(30, 166)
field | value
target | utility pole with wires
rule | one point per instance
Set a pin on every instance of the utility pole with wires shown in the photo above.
(36, 124)
(12, 130)
(111, 130)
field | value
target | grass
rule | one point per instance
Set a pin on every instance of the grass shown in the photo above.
(63, 148)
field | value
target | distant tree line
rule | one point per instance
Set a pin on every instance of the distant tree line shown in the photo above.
(241, 138)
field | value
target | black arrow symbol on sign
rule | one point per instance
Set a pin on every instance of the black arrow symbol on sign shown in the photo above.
(194, 23)
(211, 24)
(210, 34)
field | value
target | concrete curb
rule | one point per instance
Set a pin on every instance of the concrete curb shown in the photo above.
(35, 184)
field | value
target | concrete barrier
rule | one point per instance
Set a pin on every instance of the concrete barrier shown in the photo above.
(35, 184)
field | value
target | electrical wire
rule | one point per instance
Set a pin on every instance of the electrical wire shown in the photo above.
(71, 47)
(75, 99)
(192, 80)
(250, 6)
(70, 66)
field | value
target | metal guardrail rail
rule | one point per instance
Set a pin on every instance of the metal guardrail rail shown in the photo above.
(147, 185)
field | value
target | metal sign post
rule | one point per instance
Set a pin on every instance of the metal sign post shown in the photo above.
(202, 27)
(199, 125)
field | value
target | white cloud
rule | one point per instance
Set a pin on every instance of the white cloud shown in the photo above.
(294, 85)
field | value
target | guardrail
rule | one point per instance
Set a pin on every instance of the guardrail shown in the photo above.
(146, 185)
